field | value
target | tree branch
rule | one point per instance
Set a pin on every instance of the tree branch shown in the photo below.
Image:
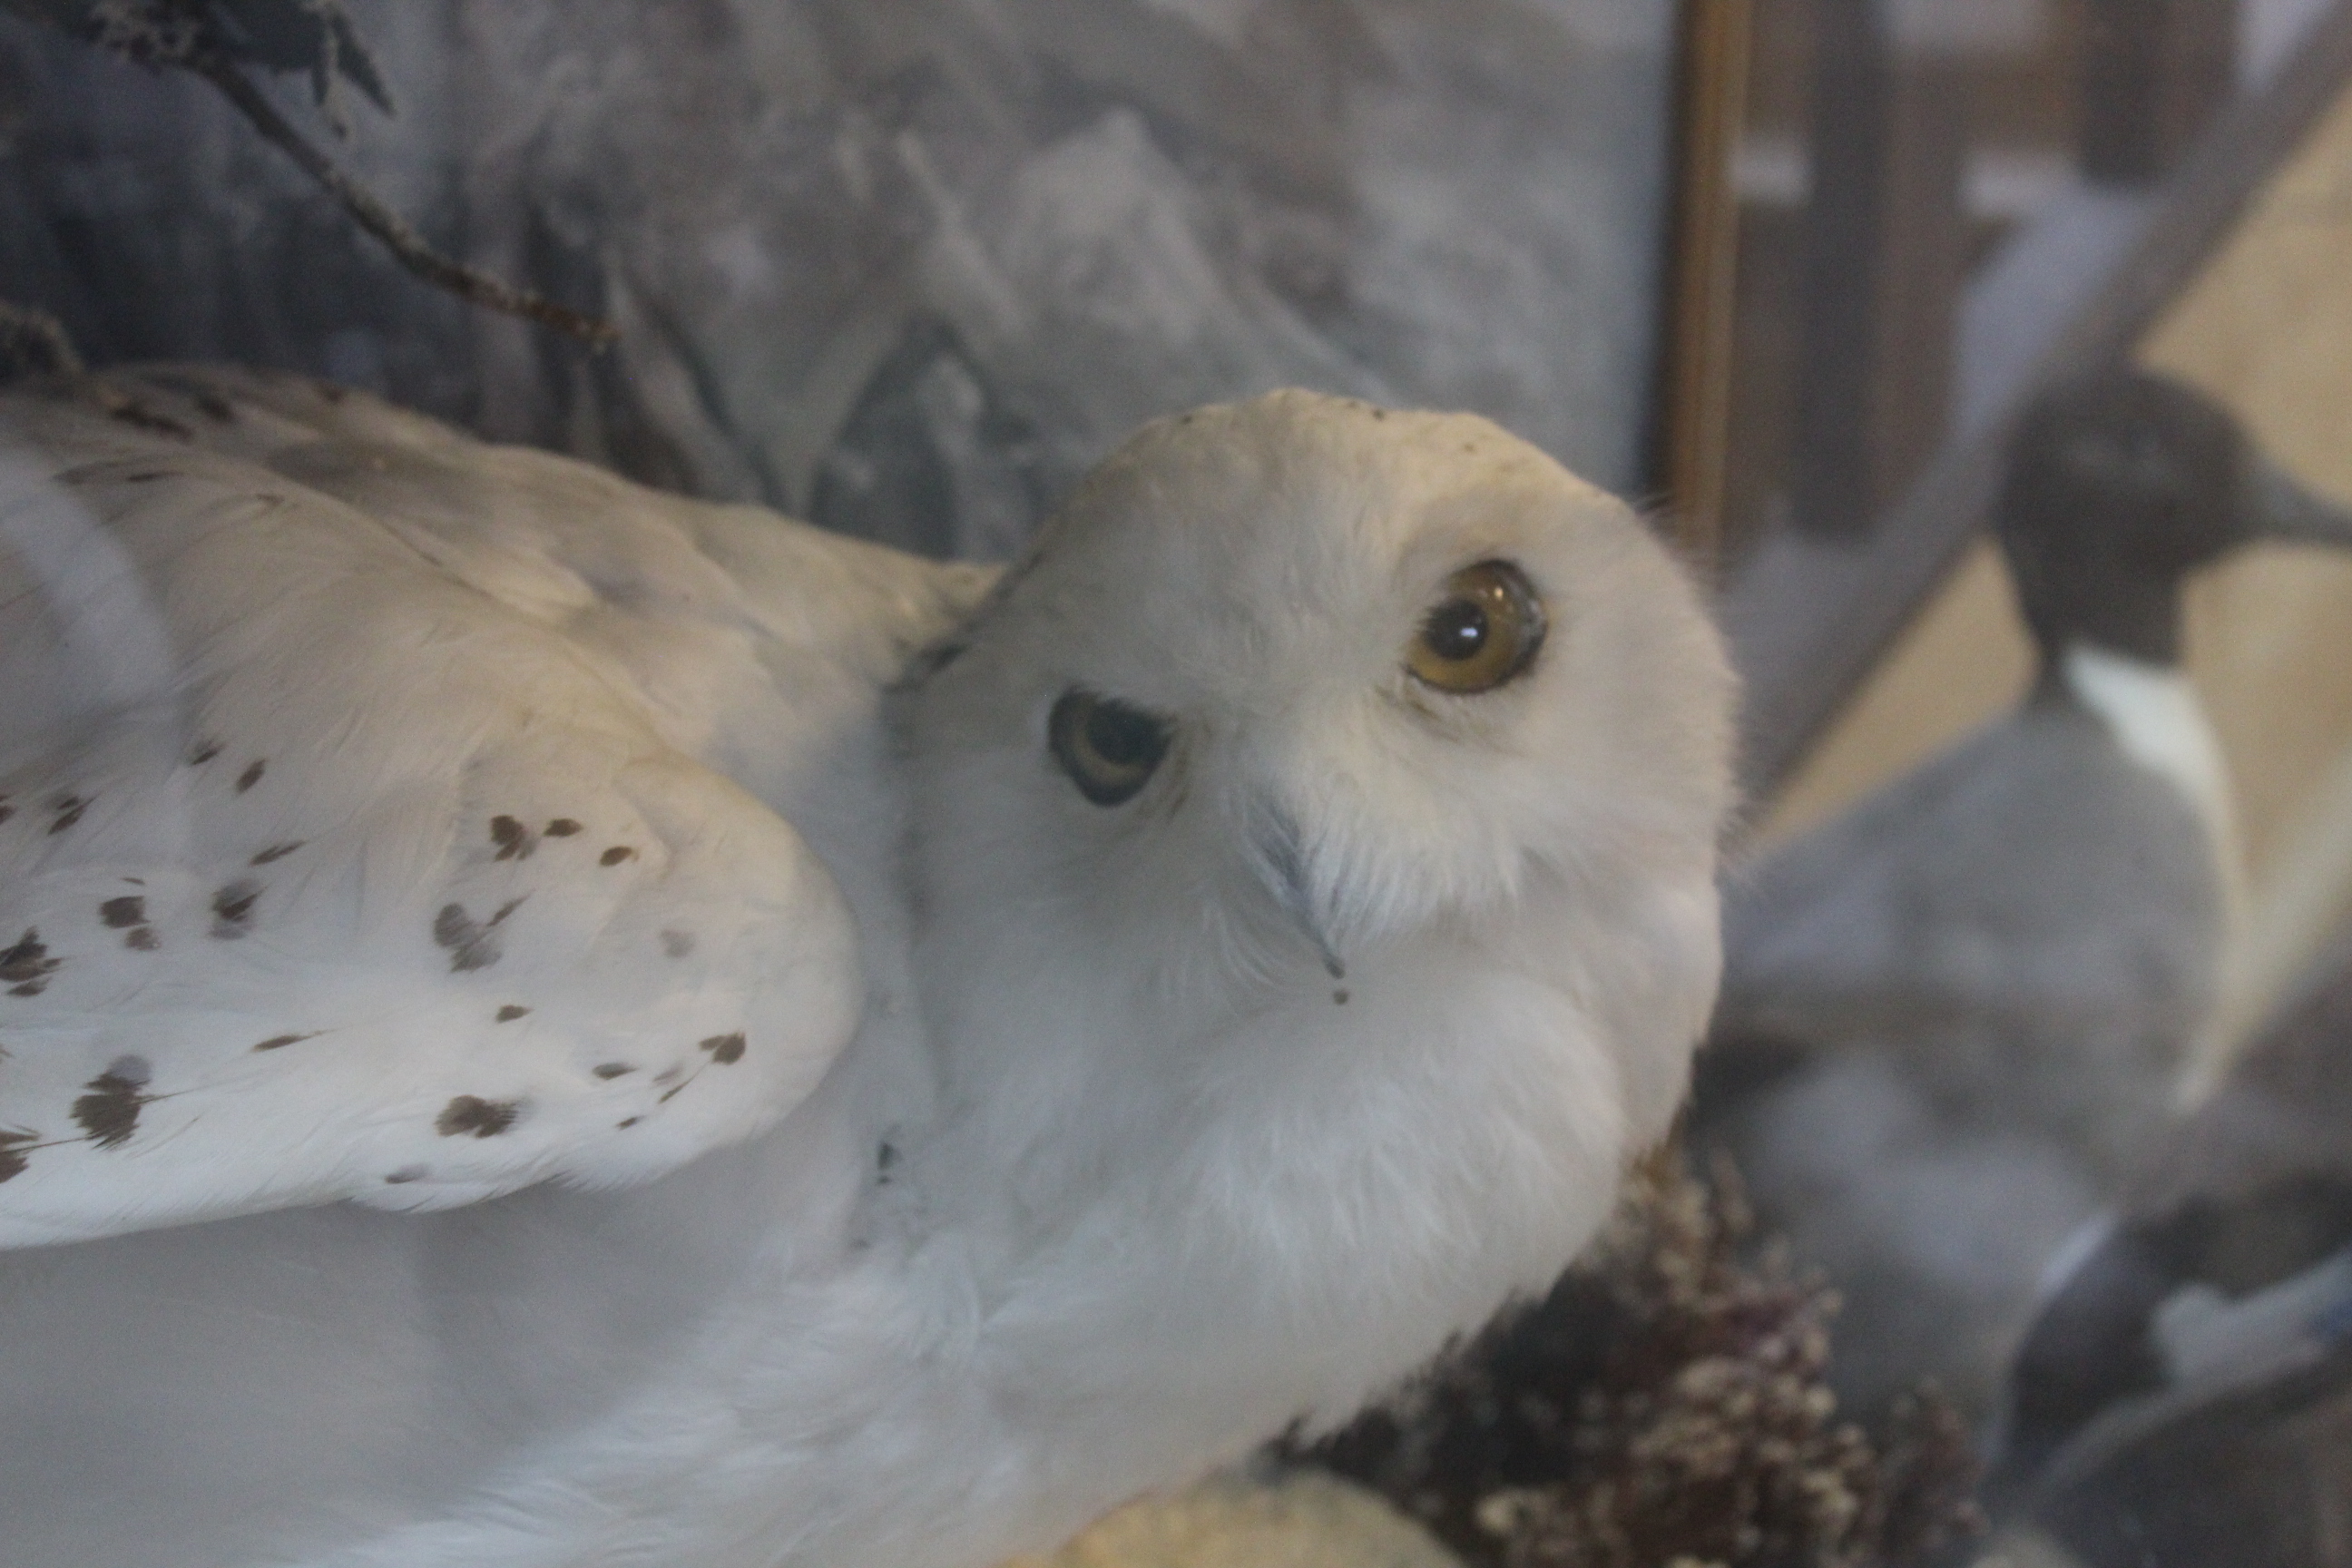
(407, 247)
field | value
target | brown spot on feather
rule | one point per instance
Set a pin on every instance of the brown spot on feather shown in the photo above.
(108, 1113)
(68, 809)
(252, 774)
(514, 840)
(123, 912)
(472, 944)
(210, 404)
(279, 1042)
(725, 1049)
(275, 852)
(510, 1012)
(616, 855)
(26, 967)
(233, 908)
(561, 827)
(482, 1117)
(133, 413)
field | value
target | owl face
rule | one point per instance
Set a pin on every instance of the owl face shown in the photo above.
(1290, 680)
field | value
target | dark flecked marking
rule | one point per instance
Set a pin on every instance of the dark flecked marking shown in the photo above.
(108, 1113)
(280, 1042)
(25, 968)
(472, 944)
(1341, 996)
(472, 1113)
(404, 1175)
(12, 1154)
(561, 827)
(668, 1074)
(233, 908)
(725, 1049)
(204, 753)
(330, 392)
(514, 840)
(68, 809)
(510, 1012)
(276, 852)
(142, 938)
(7, 811)
(614, 1070)
(136, 881)
(121, 913)
(146, 418)
(885, 1156)
(678, 943)
(616, 855)
(628, 1121)
(210, 404)
(252, 774)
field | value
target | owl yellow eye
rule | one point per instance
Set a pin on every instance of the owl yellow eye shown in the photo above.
(1108, 748)
(1483, 632)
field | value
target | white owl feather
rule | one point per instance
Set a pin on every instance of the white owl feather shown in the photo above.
(1021, 1046)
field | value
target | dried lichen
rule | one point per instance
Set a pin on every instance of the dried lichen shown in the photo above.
(1665, 1407)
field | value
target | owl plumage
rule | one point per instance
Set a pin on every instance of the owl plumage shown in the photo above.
(891, 1060)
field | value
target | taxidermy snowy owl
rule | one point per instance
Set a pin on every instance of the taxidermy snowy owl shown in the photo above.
(550, 1024)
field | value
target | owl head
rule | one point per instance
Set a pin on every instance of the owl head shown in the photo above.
(1289, 681)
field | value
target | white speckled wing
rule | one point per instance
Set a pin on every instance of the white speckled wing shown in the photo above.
(389, 816)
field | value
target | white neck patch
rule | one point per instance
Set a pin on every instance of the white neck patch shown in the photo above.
(2153, 713)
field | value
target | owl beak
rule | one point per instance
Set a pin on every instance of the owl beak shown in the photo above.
(1282, 862)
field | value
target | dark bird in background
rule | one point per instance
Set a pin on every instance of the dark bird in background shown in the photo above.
(1954, 1017)
(2184, 1399)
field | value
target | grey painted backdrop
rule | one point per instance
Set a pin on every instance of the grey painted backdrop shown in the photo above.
(904, 266)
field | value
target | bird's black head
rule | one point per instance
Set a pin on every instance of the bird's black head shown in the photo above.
(2119, 485)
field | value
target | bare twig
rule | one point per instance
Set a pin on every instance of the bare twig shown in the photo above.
(407, 247)
(217, 39)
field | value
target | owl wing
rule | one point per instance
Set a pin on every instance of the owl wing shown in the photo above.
(390, 816)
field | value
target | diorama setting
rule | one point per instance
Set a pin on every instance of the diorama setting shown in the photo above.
(1176, 784)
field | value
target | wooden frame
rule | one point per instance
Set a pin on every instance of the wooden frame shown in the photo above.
(1695, 366)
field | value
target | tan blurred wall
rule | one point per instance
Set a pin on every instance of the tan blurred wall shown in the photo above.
(2268, 331)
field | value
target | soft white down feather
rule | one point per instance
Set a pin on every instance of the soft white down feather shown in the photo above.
(945, 1056)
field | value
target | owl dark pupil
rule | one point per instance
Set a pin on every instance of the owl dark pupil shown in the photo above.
(1124, 737)
(1456, 630)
